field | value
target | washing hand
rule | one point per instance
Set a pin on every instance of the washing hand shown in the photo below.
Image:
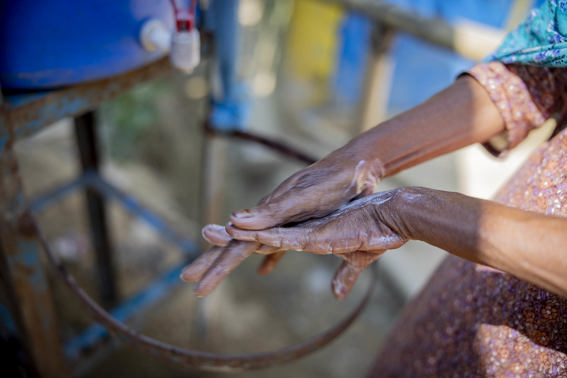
(468, 116)
(312, 192)
(358, 233)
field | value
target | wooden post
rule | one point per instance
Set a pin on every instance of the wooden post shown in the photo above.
(373, 108)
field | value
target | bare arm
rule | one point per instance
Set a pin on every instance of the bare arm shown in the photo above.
(460, 115)
(528, 245)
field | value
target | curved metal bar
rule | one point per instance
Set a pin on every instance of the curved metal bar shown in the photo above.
(192, 358)
(270, 143)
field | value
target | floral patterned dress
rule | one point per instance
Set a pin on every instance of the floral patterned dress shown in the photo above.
(471, 320)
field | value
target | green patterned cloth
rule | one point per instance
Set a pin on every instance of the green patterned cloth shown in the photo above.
(540, 40)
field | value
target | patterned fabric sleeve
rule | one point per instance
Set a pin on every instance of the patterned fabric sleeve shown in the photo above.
(526, 96)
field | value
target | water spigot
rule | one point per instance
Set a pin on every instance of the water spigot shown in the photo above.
(185, 51)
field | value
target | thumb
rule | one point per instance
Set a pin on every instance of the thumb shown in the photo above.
(290, 207)
(256, 218)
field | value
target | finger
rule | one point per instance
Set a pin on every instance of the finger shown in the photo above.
(269, 262)
(195, 270)
(347, 274)
(216, 234)
(232, 255)
(297, 204)
(282, 210)
(262, 216)
(344, 279)
(323, 242)
(299, 239)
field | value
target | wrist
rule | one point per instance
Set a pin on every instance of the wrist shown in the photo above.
(387, 209)
(447, 220)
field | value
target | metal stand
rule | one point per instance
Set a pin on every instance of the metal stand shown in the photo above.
(87, 143)
(23, 277)
(22, 273)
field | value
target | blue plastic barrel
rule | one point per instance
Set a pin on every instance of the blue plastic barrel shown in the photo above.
(53, 43)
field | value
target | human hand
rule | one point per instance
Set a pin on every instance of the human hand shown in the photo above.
(214, 265)
(339, 176)
(365, 225)
(358, 233)
(314, 191)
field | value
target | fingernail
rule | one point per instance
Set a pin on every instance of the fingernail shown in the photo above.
(243, 214)
(340, 291)
(210, 228)
(214, 227)
(186, 274)
(204, 231)
(201, 292)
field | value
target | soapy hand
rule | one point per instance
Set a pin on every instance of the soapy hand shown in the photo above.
(214, 265)
(358, 233)
(218, 262)
(313, 192)
(364, 225)
(310, 193)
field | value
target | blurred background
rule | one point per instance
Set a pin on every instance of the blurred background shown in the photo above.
(309, 74)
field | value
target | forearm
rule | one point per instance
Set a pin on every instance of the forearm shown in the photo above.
(460, 115)
(530, 246)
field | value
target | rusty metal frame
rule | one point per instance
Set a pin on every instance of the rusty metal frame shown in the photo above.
(89, 154)
(28, 113)
(24, 279)
(196, 359)
(270, 143)
(21, 242)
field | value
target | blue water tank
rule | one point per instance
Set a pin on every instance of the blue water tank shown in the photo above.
(53, 43)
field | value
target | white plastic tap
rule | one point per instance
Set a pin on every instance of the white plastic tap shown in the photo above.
(184, 47)
(185, 51)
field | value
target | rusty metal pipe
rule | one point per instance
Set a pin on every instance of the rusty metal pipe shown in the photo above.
(192, 358)
(270, 143)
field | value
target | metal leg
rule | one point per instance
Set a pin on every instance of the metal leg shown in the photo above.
(87, 142)
(22, 275)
